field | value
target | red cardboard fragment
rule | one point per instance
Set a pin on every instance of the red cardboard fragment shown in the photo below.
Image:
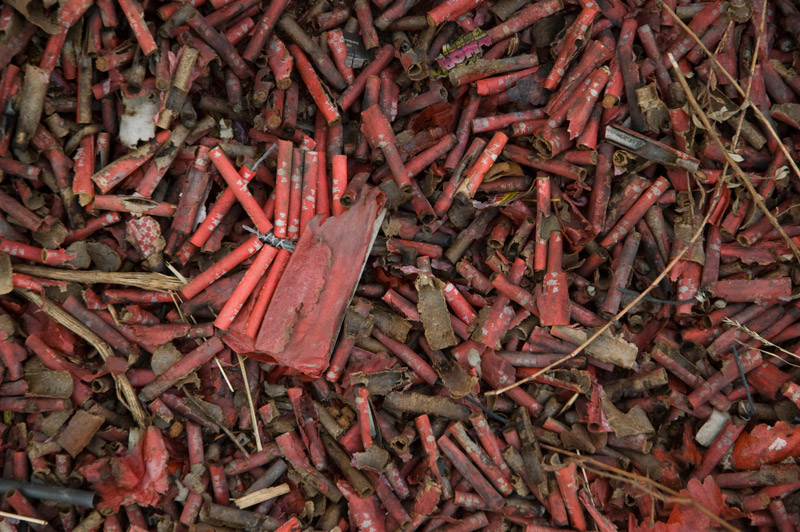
(301, 324)
(140, 477)
(766, 445)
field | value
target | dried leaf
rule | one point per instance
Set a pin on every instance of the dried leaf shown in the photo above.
(104, 257)
(53, 238)
(503, 169)
(164, 357)
(79, 252)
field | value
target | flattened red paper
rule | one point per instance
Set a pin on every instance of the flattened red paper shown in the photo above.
(304, 316)
(140, 477)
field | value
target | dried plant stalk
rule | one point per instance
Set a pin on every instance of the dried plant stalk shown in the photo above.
(735, 84)
(257, 497)
(146, 281)
(125, 392)
(757, 199)
(648, 485)
(25, 518)
(717, 196)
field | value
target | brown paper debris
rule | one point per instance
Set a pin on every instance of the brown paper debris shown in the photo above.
(455, 378)
(630, 424)
(6, 274)
(383, 382)
(607, 347)
(433, 312)
(37, 14)
(79, 431)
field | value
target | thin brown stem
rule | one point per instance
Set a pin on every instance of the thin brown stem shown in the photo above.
(176, 300)
(200, 408)
(735, 84)
(665, 494)
(251, 406)
(621, 313)
(125, 391)
(757, 199)
(746, 104)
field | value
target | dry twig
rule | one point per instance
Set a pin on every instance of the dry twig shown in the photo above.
(125, 392)
(257, 497)
(648, 485)
(757, 199)
(143, 280)
(621, 313)
(252, 408)
(735, 84)
(750, 332)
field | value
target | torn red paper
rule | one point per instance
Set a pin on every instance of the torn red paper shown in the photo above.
(686, 518)
(140, 477)
(300, 327)
(765, 445)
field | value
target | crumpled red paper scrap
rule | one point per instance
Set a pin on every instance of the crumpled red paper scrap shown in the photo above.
(140, 477)
(765, 445)
(689, 518)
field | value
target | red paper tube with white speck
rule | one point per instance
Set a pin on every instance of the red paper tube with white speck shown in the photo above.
(460, 461)
(729, 372)
(295, 195)
(240, 190)
(113, 174)
(408, 356)
(569, 45)
(214, 217)
(133, 12)
(309, 191)
(428, 442)
(236, 257)
(474, 178)
(354, 91)
(314, 86)
(267, 291)
(182, 368)
(481, 459)
(237, 300)
(265, 27)
(622, 272)
(380, 135)
(525, 18)
(722, 443)
(220, 44)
